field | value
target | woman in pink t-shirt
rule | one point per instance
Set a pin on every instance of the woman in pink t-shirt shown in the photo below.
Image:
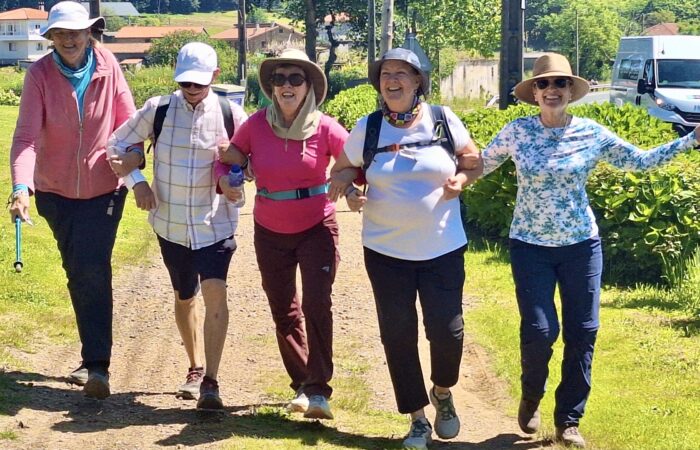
(289, 146)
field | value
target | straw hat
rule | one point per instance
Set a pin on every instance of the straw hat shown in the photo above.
(70, 15)
(295, 57)
(399, 54)
(551, 65)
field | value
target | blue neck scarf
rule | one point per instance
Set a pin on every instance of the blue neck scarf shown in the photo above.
(80, 77)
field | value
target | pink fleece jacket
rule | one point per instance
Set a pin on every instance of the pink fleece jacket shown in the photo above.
(52, 151)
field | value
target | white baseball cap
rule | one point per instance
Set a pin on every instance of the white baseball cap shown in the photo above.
(70, 15)
(196, 63)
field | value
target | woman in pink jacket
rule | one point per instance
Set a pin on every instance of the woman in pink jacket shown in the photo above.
(72, 100)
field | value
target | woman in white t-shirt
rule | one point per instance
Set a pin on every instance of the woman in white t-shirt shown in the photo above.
(413, 237)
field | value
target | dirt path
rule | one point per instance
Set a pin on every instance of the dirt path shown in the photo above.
(149, 363)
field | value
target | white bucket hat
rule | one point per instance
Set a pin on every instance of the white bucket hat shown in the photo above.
(196, 63)
(71, 16)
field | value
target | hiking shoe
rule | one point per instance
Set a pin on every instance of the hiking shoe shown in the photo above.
(79, 376)
(419, 435)
(300, 403)
(446, 420)
(570, 436)
(97, 385)
(190, 389)
(529, 416)
(318, 408)
(209, 395)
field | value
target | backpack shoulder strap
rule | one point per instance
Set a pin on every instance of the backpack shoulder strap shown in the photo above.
(374, 124)
(441, 129)
(228, 115)
(161, 112)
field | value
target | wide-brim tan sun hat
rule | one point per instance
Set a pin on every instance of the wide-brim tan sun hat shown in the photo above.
(295, 57)
(70, 15)
(399, 54)
(551, 65)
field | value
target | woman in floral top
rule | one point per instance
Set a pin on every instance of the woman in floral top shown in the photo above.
(554, 236)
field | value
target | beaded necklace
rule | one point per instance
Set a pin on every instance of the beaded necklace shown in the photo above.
(395, 118)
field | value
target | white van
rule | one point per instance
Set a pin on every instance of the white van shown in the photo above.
(661, 74)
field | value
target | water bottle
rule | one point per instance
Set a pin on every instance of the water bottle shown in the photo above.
(235, 180)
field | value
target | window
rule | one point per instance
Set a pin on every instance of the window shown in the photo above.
(39, 46)
(624, 69)
(281, 30)
(263, 44)
(13, 46)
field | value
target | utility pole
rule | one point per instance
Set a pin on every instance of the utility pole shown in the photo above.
(371, 32)
(511, 64)
(577, 54)
(242, 44)
(95, 12)
(387, 39)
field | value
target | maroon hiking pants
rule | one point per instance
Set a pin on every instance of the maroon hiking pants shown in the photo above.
(304, 326)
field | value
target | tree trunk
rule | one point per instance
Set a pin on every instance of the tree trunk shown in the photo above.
(371, 33)
(387, 40)
(310, 23)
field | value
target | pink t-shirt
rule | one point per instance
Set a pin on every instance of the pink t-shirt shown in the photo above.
(281, 166)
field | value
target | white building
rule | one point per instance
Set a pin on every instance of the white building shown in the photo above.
(19, 35)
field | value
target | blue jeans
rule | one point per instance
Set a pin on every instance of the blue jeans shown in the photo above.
(577, 270)
(85, 232)
(438, 283)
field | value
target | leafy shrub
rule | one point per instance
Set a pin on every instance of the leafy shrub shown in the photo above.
(8, 97)
(651, 218)
(349, 105)
(12, 78)
(345, 78)
(150, 82)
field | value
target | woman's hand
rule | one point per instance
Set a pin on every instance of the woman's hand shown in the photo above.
(20, 207)
(454, 185)
(143, 194)
(356, 200)
(340, 183)
(230, 193)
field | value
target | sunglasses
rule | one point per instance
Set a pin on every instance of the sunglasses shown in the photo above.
(188, 84)
(295, 79)
(559, 83)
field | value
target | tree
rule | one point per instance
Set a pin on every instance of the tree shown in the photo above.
(598, 33)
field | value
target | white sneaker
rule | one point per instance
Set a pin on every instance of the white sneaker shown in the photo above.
(420, 435)
(300, 403)
(318, 408)
(446, 420)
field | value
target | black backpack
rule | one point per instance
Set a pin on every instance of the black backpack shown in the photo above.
(441, 136)
(162, 111)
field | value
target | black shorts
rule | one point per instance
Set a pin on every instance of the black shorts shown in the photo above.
(187, 267)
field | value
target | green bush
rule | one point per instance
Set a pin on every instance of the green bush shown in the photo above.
(345, 78)
(12, 79)
(349, 105)
(651, 218)
(8, 97)
(150, 82)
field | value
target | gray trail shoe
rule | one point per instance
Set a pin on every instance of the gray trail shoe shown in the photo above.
(300, 403)
(209, 399)
(97, 385)
(529, 416)
(190, 390)
(446, 420)
(79, 376)
(420, 435)
(570, 436)
(318, 408)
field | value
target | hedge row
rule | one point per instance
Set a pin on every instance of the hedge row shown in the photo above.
(649, 221)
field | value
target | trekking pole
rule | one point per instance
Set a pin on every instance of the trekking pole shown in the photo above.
(18, 244)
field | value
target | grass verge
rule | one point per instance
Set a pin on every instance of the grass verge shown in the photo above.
(646, 371)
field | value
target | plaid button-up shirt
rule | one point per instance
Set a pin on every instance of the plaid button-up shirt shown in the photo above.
(189, 212)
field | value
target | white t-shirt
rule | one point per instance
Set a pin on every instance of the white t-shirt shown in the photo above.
(406, 215)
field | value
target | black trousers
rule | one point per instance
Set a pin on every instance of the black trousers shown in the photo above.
(438, 282)
(85, 232)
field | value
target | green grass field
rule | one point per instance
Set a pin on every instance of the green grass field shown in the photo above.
(646, 369)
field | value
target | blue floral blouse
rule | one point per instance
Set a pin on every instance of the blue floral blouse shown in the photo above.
(553, 165)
